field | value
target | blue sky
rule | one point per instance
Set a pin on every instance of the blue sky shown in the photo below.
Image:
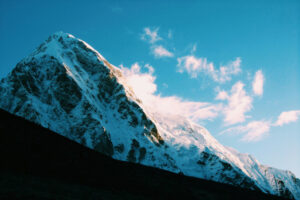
(206, 55)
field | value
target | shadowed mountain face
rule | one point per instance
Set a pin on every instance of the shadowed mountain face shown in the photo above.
(69, 88)
(37, 163)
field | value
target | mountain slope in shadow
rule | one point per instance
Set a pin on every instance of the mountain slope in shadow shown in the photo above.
(37, 163)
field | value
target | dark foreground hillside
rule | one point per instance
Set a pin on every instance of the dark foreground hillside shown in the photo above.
(39, 164)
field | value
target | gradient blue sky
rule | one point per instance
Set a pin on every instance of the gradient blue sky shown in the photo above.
(263, 34)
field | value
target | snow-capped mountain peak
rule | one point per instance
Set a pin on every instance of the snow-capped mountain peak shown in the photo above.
(67, 86)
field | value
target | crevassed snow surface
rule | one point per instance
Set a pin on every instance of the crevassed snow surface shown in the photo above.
(67, 86)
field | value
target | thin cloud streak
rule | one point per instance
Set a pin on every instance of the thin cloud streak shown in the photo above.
(252, 132)
(257, 130)
(287, 117)
(160, 51)
(258, 83)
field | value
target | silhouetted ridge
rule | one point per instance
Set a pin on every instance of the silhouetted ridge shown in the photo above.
(37, 163)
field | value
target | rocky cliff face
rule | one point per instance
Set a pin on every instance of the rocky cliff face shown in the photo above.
(67, 86)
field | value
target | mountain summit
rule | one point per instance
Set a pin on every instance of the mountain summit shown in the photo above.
(67, 86)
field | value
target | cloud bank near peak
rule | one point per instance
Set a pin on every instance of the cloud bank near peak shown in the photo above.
(238, 103)
(233, 105)
(143, 83)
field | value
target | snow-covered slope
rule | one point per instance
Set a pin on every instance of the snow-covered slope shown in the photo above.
(67, 86)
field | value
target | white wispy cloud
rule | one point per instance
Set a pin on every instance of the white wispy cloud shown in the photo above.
(226, 71)
(143, 83)
(222, 95)
(258, 83)
(238, 104)
(193, 66)
(151, 35)
(160, 51)
(252, 132)
(287, 117)
(257, 130)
